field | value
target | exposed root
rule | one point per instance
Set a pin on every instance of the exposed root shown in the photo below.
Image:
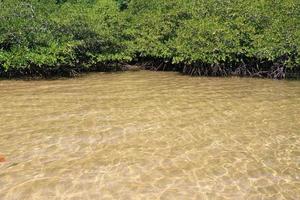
(253, 69)
(275, 72)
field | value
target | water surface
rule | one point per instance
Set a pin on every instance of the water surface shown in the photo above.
(150, 135)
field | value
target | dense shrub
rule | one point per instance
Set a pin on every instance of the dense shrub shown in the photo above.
(27, 36)
(42, 35)
(217, 37)
(213, 37)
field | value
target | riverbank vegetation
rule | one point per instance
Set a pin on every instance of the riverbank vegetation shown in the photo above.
(258, 38)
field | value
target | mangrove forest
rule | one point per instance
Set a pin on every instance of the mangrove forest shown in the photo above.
(256, 38)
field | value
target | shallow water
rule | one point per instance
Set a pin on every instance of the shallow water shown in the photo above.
(150, 135)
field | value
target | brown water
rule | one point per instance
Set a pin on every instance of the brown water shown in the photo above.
(150, 135)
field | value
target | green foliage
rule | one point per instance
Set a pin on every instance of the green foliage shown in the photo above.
(216, 31)
(123, 4)
(85, 33)
(50, 34)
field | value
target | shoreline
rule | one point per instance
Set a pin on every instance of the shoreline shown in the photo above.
(40, 73)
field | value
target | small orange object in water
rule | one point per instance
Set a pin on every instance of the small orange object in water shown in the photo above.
(2, 158)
